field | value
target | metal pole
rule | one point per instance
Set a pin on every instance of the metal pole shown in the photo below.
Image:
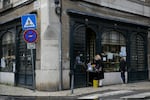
(72, 78)
(33, 72)
(60, 49)
(72, 82)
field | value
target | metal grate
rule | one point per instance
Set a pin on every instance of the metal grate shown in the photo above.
(24, 65)
(137, 69)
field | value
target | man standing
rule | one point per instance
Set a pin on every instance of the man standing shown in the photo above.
(122, 69)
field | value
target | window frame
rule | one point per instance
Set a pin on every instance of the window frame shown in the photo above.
(112, 53)
(7, 58)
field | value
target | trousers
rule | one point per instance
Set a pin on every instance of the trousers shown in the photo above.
(123, 76)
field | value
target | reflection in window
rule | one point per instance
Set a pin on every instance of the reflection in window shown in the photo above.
(8, 52)
(113, 47)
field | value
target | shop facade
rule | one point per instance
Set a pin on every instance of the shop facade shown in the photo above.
(113, 35)
(16, 66)
(91, 35)
(15, 57)
(67, 28)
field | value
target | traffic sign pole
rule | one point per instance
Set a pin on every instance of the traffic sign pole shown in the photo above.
(30, 36)
(33, 72)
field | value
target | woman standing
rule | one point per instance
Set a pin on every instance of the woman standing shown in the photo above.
(99, 69)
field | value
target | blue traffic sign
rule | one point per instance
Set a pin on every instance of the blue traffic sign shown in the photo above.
(30, 36)
(28, 21)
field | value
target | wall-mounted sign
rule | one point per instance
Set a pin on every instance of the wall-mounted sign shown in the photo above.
(30, 36)
(28, 21)
(31, 46)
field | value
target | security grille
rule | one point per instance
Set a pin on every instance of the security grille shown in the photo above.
(24, 65)
(137, 69)
(79, 46)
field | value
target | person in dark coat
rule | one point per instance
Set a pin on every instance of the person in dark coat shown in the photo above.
(99, 69)
(122, 68)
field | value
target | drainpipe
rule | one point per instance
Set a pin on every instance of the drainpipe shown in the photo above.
(148, 55)
(60, 48)
(58, 5)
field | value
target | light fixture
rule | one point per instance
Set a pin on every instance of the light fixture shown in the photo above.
(57, 8)
(56, 2)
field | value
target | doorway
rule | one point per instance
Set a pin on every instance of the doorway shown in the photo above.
(83, 51)
(24, 73)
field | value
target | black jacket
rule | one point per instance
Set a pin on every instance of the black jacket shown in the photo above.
(99, 67)
(122, 66)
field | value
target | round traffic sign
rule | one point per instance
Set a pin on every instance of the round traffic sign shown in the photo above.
(30, 36)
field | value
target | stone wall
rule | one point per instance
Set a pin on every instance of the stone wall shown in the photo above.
(47, 76)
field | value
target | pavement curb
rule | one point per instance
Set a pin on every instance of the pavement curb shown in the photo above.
(19, 91)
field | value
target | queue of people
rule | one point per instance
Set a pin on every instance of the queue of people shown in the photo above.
(99, 68)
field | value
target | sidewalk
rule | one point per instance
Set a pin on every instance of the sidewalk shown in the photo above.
(18, 91)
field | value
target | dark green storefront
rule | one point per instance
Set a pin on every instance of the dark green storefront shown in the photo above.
(86, 36)
(17, 57)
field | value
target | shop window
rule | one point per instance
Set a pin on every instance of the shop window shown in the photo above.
(113, 47)
(8, 52)
(90, 45)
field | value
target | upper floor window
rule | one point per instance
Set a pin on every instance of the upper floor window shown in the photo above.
(6, 3)
(145, 2)
(1, 4)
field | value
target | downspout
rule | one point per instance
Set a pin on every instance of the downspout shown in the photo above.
(58, 8)
(60, 48)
